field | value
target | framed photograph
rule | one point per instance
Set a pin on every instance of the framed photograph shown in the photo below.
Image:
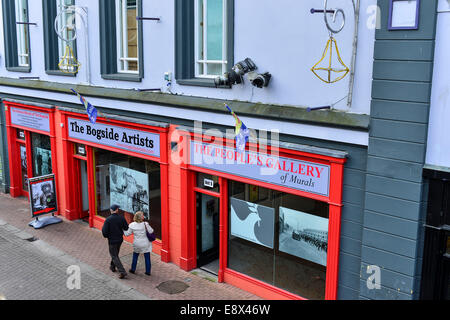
(304, 235)
(252, 222)
(42, 195)
(129, 189)
(404, 14)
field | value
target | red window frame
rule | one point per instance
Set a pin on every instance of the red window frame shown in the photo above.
(13, 143)
(188, 219)
(161, 246)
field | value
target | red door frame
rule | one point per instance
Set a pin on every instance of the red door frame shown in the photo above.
(188, 227)
(14, 155)
(94, 221)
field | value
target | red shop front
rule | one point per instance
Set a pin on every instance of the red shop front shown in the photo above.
(31, 143)
(267, 220)
(117, 160)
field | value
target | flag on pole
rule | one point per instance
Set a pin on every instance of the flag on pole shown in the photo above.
(242, 132)
(90, 109)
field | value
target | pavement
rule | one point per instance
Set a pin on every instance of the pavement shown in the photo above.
(70, 261)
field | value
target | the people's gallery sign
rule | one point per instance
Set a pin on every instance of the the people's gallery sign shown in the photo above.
(292, 173)
(141, 142)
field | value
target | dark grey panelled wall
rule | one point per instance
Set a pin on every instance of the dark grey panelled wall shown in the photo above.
(392, 235)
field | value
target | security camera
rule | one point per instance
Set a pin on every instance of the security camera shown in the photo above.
(259, 80)
(235, 76)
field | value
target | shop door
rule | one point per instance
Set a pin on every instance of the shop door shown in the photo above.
(208, 213)
(83, 190)
(22, 151)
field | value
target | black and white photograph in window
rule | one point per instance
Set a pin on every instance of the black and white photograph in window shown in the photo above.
(43, 161)
(252, 222)
(304, 235)
(43, 195)
(129, 189)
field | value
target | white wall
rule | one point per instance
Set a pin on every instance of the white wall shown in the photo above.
(282, 37)
(438, 148)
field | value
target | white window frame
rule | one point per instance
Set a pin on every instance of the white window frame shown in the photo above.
(63, 18)
(201, 59)
(122, 38)
(23, 50)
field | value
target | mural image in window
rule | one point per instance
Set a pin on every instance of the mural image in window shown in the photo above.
(132, 183)
(278, 238)
(129, 189)
(304, 235)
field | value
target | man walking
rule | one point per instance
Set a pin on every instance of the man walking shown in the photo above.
(113, 230)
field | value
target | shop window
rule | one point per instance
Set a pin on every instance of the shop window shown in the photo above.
(42, 155)
(204, 40)
(132, 183)
(121, 40)
(278, 238)
(56, 48)
(16, 35)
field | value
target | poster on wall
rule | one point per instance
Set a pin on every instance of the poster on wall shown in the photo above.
(252, 222)
(43, 195)
(304, 235)
(129, 189)
(42, 161)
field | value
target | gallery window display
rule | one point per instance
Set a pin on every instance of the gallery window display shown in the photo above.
(132, 183)
(42, 155)
(278, 238)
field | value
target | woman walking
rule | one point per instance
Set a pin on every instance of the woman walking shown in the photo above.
(141, 244)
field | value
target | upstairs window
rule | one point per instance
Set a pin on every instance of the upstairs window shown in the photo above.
(127, 36)
(23, 50)
(16, 35)
(62, 47)
(204, 40)
(211, 38)
(121, 39)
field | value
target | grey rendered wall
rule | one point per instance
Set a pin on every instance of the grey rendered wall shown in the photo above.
(392, 236)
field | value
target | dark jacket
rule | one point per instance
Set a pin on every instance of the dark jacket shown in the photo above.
(113, 228)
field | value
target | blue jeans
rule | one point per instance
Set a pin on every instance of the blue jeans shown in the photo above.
(148, 264)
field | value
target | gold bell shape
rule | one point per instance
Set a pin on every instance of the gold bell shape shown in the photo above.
(330, 73)
(69, 64)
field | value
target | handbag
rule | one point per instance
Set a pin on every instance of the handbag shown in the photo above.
(150, 236)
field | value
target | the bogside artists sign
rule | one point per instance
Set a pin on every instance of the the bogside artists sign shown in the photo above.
(30, 119)
(292, 173)
(123, 138)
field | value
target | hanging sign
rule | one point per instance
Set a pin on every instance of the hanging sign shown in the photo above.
(291, 173)
(141, 142)
(42, 192)
(30, 119)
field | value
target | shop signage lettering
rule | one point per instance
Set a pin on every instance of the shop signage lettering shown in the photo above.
(132, 140)
(30, 119)
(291, 173)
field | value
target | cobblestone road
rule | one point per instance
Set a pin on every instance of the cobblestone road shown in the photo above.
(38, 271)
